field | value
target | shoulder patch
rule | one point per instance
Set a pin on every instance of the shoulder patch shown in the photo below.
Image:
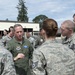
(25, 46)
(34, 64)
(18, 48)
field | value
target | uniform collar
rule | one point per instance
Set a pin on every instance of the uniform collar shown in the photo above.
(50, 41)
(19, 41)
(67, 40)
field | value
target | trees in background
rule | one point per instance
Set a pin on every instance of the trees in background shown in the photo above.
(39, 19)
(22, 14)
(22, 11)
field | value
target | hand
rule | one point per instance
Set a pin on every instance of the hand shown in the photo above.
(19, 56)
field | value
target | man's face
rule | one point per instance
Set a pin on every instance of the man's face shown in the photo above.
(18, 33)
(64, 30)
(11, 34)
(4, 32)
(27, 34)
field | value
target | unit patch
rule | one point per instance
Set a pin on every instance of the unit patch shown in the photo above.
(18, 48)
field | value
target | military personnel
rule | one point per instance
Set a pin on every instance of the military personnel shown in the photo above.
(30, 38)
(67, 28)
(21, 50)
(35, 40)
(5, 32)
(39, 39)
(6, 62)
(52, 58)
(8, 37)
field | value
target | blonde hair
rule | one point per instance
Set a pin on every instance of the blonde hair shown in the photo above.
(68, 24)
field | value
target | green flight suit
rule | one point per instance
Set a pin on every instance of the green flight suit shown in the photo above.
(15, 47)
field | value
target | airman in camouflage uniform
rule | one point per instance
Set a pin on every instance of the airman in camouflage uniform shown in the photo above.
(52, 58)
(6, 62)
(67, 28)
(38, 41)
(8, 37)
(70, 42)
(5, 40)
(30, 38)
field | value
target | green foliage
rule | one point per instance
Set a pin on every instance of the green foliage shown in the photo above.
(39, 19)
(22, 11)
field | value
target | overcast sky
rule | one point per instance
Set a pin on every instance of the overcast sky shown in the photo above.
(59, 10)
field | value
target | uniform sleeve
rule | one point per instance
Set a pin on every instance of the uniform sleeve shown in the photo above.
(10, 47)
(73, 47)
(31, 49)
(4, 40)
(9, 68)
(38, 64)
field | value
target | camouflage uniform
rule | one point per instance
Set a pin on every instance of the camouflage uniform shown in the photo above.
(6, 62)
(5, 40)
(39, 40)
(32, 41)
(1, 44)
(53, 58)
(70, 42)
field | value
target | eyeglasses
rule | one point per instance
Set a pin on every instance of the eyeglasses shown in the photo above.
(63, 29)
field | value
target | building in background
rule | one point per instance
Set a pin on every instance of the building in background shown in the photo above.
(31, 27)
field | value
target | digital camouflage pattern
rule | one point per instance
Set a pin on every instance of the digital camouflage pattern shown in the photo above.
(39, 40)
(5, 40)
(6, 63)
(53, 58)
(70, 42)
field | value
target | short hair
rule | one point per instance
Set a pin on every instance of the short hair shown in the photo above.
(17, 25)
(50, 26)
(10, 28)
(6, 30)
(69, 24)
(40, 29)
(73, 15)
